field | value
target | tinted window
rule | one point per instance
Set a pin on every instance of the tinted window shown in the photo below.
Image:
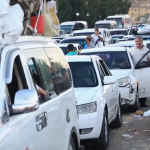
(78, 26)
(108, 26)
(60, 70)
(84, 74)
(83, 34)
(116, 38)
(64, 49)
(114, 60)
(78, 41)
(67, 28)
(119, 32)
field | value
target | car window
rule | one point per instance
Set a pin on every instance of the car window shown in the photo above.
(60, 70)
(83, 34)
(114, 60)
(67, 28)
(84, 74)
(119, 32)
(108, 26)
(65, 51)
(78, 41)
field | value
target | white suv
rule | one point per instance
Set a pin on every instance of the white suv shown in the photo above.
(98, 98)
(29, 121)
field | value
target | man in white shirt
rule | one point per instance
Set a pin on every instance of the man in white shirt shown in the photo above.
(97, 39)
(137, 52)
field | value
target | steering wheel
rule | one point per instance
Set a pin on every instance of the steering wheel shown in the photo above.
(80, 81)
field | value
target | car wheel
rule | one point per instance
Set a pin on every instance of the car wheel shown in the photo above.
(71, 144)
(136, 105)
(103, 141)
(117, 123)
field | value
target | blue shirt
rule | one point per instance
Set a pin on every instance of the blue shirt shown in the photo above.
(72, 53)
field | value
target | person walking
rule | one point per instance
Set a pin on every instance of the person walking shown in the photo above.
(97, 38)
(136, 53)
(71, 50)
(89, 43)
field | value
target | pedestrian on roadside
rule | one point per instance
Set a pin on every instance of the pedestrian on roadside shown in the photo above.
(137, 52)
(89, 43)
(71, 51)
(97, 39)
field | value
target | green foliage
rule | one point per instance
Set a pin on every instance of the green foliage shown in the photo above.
(97, 9)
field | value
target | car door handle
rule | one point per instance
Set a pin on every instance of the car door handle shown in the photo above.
(41, 121)
(67, 116)
(112, 90)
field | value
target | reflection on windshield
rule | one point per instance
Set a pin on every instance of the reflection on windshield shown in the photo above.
(84, 74)
(114, 60)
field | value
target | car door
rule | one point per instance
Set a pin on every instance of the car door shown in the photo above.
(107, 90)
(51, 107)
(143, 74)
(16, 128)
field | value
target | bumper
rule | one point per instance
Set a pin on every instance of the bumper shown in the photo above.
(128, 94)
(90, 121)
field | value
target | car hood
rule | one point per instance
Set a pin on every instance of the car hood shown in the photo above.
(121, 73)
(85, 95)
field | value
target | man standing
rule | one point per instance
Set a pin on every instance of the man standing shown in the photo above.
(89, 43)
(137, 52)
(97, 39)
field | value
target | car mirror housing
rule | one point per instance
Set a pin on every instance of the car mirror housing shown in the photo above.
(109, 80)
(25, 101)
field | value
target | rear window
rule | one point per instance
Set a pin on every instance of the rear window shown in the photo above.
(108, 26)
(78, 41)
(83, 34)
(64, 49)
(67, 28)
(119, 32)
(118, 21)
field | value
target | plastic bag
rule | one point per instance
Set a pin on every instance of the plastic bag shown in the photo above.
(11, 25)
(144, 29)
(4, 7)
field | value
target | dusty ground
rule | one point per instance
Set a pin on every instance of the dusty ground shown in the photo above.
(140, 140)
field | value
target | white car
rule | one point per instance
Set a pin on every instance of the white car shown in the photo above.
(63, 46)
(29, 121)
(134, 83)
(98, 98)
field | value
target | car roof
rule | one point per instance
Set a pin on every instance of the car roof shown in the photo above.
(87, 30)
(72, 22)
(103, 49)
(79, 58)
(103, 22)
(75, 37)
(118, 29)
(66, 44)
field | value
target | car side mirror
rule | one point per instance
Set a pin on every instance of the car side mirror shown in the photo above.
(25, 101)
(143, 64)
(109, 80)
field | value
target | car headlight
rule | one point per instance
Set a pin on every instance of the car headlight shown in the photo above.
(87, 108)
(124, 81)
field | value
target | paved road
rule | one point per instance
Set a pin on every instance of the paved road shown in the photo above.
(140, 140)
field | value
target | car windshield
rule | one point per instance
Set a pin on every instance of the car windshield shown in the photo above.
(83, 34)
(114, 60)
(125, 32)
(64, 49)
(108, 26)
(78, 41)
(144, 38)
(84, 74)
(67, 28)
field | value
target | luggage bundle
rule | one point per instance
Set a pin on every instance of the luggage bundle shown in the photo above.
(144, 29)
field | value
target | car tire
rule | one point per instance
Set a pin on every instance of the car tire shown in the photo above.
(103, 141)
(72, 144)
(136, 106)
(117, 123)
